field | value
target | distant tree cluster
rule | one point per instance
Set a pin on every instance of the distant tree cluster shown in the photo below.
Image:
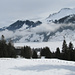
(6, 49)
(28, 53)
(46, 52)
(67, 52)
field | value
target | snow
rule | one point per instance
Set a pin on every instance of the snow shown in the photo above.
(23, 27)
(51, 45)
(31, 34)
(69, 35)
(62, 13)
(21, 66)
(37, 33)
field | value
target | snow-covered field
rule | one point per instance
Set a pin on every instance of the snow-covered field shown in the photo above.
(21, 66)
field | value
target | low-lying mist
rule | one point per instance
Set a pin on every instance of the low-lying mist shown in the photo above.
(50, 27)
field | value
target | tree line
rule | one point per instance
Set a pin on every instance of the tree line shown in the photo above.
(8, 50)
(67, 52)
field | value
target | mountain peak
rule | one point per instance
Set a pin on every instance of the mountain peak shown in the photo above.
(66, 20)
(19, 23)
(62, 13)
(63, 24)
(65, 9)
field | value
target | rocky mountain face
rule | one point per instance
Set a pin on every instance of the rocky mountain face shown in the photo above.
(66, 20)
(62, 13)
(55, 28)
(18, 24)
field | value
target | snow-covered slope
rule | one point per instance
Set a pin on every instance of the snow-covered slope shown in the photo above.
(62, 13)
(41, 33)
(22, 66)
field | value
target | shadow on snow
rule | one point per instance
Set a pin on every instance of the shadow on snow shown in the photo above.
(40, 68)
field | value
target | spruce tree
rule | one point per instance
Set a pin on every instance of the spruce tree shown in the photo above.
(64, 46)
(26, 52)
(57, 53)
(70, 51)
(3, 47)
(46, 52)
(34, 54)
(11, 50)
(64, 50)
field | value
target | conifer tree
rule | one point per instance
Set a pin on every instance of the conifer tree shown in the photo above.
(11, 50)
(70, 51)
(64, 50)
(34, 54)
(57, 53)
(70, 46)
(3, 47)
(64, 46)
(26, 52)
(46, 52)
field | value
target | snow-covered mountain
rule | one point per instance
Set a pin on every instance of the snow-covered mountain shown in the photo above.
(62, 13)
(67, 19)
(53, 28)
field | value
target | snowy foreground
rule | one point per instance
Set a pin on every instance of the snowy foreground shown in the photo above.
(21, 66)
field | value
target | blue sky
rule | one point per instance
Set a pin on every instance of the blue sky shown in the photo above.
(12, 10)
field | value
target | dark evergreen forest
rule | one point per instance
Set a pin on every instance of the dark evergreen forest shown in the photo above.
(7, 50)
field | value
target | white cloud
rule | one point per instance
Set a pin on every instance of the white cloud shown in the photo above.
(46, 28)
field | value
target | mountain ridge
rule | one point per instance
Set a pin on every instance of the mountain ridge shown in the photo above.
(62, 13)
(42, 31)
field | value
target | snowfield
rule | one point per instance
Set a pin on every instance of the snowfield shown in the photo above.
(21, 66)
(52, 45)
(63, 12)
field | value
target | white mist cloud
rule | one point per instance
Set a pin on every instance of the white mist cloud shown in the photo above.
(46, 28)
(7, 34)
(27, 32)
(32, 32)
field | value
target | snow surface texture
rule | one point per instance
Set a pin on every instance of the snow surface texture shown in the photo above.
(22, 66)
